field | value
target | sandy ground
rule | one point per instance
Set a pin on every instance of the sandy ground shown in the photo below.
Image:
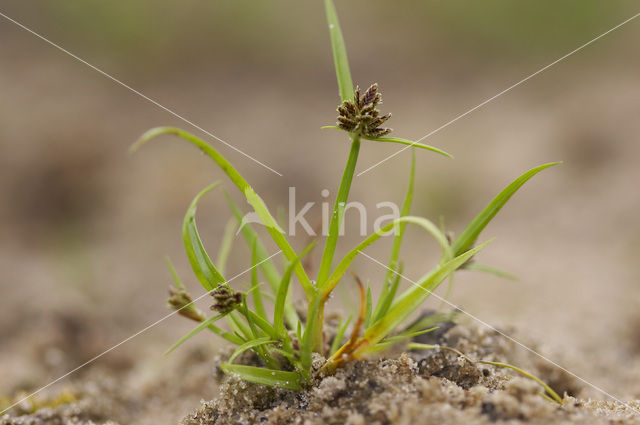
(423, 387)
(86, 227)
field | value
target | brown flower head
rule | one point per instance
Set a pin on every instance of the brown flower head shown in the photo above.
(226, 299)
(180, 300)
(360, 116)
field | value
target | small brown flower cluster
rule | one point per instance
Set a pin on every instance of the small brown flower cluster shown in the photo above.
(226, 299)
(361, 116)
(180, 300)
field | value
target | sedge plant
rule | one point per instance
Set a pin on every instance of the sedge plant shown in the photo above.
(263, 319)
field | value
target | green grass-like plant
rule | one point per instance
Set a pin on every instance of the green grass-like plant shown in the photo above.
(283, 342)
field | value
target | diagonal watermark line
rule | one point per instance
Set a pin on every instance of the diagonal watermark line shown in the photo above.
(480, 105)
(510, 338)
(124, 341)
(115, 80)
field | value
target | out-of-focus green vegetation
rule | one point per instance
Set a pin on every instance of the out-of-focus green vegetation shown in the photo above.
(164, 31)
(498, 24)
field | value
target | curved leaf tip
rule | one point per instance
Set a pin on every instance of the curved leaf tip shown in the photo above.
(467, 238)
(152, 134)
(201, 264)
(410, 143)
(204, 192)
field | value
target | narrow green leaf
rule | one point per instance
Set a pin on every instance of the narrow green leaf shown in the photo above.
(419, 346)
(368, 307)
(299, 331)
(411, 299)
(207, 324)
(398, 140)
(263, 324)
(492, 270)
(174, 274)
(269, 377)
(234, 339)
(442, 226)
(239, 326)
(283, 292)
(281, 217)
(433, 320)
(469, 235)
(257, 294)
(225, 245)
(268, 360)
(337, 339)
(248, 346)
(308, 341)
(391, 278)
(270, 271)
(423, 288)
(288, 355)
(244, 310)
(344, 264)
(251, 196)
(555, 397)
(387, 299)
(408, 335)
(388, 342)
(266, 265)
(201, 264)
(402, 141)
(343, 74)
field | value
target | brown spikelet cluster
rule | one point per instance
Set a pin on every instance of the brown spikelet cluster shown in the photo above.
(361, 116)
(226, 299)
(180, 300)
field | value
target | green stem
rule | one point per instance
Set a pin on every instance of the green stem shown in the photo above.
(338, 211)
(334, 231)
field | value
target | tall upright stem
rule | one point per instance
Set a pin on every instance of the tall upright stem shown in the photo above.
(332, 237)
(338, 212)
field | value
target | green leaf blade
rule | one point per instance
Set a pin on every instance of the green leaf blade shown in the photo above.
(391, 279)
(269, 377)
(337, 339)
(203, 268)
(250, 195)
(344, 264)
(491, 270)
(368, 306)
(402, 141)
(226, 245)
(255, 285)
(411, 299)
(340, 60)
(386, 300)
(470, 234)
(248, 346)
(207, 324)
(283, 293)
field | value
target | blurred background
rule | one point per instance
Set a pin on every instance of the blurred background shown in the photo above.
(85, 226)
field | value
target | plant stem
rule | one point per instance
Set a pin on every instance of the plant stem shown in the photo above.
(334, 231)
(338, 211)
(318, 335)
